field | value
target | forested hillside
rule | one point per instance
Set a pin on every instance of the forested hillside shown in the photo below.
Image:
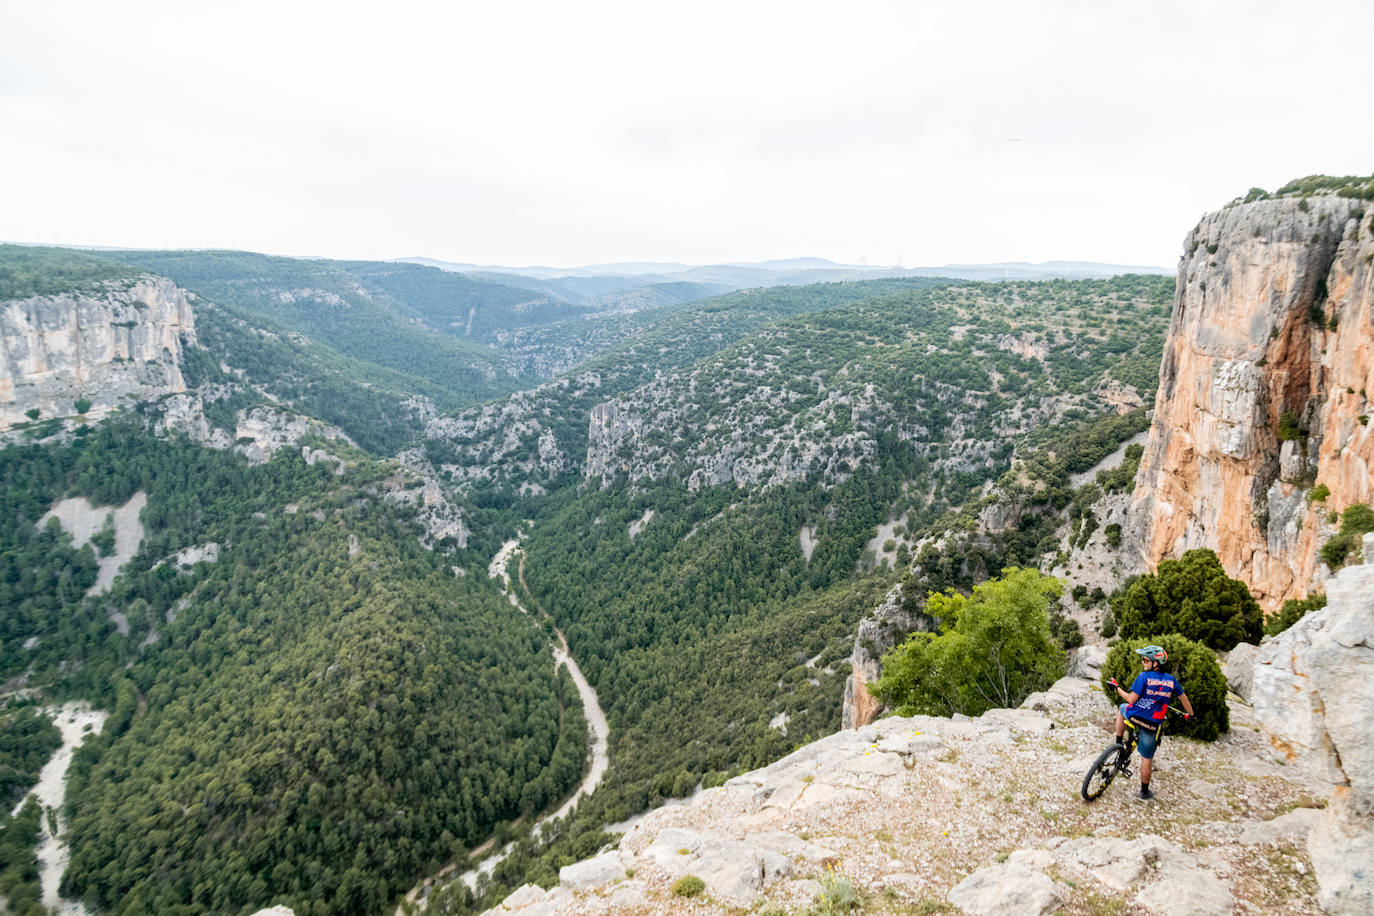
(315, 716)
(464, 306)
(31, 271)
(351, 312)
(539, 437)
(248, 360)
(310, 708)
(959, 373)
(714, 614)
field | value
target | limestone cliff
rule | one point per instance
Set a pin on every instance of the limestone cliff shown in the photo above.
(122, 339)
(1271, 326)
(878, 633)
(1312, 689)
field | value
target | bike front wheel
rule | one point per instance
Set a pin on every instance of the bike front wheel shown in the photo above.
(1103, 771)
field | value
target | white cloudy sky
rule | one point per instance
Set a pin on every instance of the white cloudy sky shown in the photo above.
(577, 132)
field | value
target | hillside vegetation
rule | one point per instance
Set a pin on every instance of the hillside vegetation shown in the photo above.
(716, 493)
(715, 637)
(332, 305)
(316, 717)
(31, 271)
(501, 448)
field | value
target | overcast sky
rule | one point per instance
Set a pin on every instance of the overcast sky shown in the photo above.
(569, 133)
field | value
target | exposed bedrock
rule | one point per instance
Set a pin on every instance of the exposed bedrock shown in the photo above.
(1263, 392)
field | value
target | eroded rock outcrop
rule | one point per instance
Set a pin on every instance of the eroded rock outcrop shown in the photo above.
(122, 340)
(263, 430)
(1313, 688)
(1272, 336)
(441, 521)
(879, 633)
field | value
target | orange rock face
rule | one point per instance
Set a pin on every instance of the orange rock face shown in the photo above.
(1265, 378)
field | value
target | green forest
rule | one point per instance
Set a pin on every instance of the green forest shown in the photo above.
(318, 718)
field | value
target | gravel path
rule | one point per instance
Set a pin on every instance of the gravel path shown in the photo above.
(75, 720)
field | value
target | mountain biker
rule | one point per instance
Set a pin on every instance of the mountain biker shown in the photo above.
(1148, 701)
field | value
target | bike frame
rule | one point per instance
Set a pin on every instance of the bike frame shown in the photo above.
(1115, 760)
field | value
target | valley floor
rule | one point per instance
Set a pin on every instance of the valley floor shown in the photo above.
(598, 727)
(907, 810)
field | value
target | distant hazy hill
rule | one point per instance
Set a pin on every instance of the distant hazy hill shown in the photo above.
(601, 358)
(581, 281)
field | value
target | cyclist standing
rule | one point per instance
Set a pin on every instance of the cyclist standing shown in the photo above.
(1148, 701)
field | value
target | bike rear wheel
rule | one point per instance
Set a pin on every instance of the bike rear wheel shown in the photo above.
(1103, 771)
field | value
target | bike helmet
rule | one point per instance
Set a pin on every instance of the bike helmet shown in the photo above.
(1153, 653)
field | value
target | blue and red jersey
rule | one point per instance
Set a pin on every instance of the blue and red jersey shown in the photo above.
(1154, 689)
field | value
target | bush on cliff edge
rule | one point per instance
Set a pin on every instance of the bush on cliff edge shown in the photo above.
(1197, 670)
(1193, 597)
(994, 649)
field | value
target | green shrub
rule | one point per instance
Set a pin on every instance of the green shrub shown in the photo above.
(837, 895)
(1289, 427)
(1197, 670)
(1113, 535)
(82, 405)
(994, 648)
(688, 886)
(1335, 551)
(1066, 631)
(1319, 493)
(1193, 597)
(1108, 628)
(1356, 521)
(32, 413)
(1292, 611)
(104, 540)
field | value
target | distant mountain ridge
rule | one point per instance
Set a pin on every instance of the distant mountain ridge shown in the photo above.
(568, 282)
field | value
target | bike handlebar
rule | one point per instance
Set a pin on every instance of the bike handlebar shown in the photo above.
(1177, 712)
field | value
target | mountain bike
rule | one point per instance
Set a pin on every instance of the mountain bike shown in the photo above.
(1116, 759)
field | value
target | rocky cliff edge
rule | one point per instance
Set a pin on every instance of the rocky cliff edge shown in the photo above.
(983, 816)
(123, 340)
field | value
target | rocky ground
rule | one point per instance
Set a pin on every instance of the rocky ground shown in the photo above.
(83, 521)
(927, 815)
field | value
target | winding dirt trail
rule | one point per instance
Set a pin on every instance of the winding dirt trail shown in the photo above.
(596, 723)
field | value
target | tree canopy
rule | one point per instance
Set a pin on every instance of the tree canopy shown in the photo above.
(1191, 596)
(993, 649)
